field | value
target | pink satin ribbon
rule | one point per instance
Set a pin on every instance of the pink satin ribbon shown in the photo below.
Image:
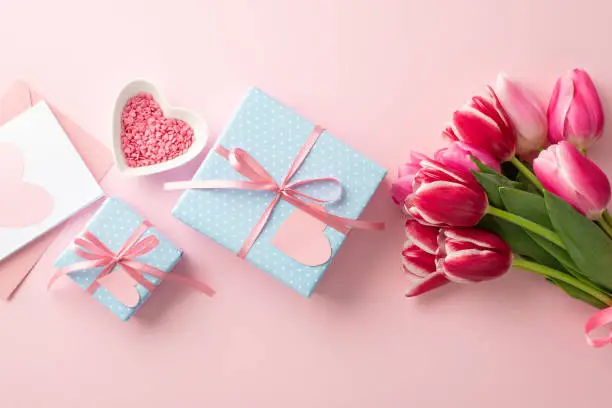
(260, 180)
(599, 319)
(97, 255)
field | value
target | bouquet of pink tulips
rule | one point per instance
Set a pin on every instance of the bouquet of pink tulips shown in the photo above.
(514, 188)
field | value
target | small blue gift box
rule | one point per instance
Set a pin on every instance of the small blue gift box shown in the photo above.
(273, 134)
(113, 224)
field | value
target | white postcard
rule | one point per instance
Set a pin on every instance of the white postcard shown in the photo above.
(43, 179)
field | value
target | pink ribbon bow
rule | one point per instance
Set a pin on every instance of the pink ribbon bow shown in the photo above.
(599, 319)
(261, 180)
(98, 255)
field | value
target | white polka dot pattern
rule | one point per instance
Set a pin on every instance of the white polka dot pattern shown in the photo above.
(273, 134)
(113, 224)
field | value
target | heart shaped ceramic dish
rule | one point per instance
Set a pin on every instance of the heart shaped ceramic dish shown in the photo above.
(199, 126)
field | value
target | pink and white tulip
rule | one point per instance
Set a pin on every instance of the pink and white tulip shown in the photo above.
(484, 123)
(564, 171)
(574, 112)
(419, 258)
(471, 255)
(462, 255)
(402, 187)
(459, 155)
(443, 196)
(526, 114)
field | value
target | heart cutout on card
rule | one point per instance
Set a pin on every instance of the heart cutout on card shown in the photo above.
(23, 204)
(302, 237)
(148, 137)
(122, 286)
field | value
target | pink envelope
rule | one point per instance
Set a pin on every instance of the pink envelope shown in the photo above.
(20, 97)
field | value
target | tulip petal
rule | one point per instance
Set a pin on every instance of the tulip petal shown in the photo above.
(416, 157)
(480, 238)
(445, 196)
(417, 262)
(481, 155)
(474, 127)
(559, 105)
(413, 166)
(433, 170)
(451, 245)
(422, 217)
(470, 124)
(433, 281)
(401, 188)
(445, 202)
(496, 111)
(585, 178)
(471, 255)
(484, 123)
(585, 117)
(564, 171)
(459, 155)
(474, 265)
(425, 237)
(547, 169)
(407, 169)
(449, 134)
(525, 113)
(489, 109)
(579, 125)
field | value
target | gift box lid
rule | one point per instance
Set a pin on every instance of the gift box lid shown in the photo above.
(273, 134)
(113, 224)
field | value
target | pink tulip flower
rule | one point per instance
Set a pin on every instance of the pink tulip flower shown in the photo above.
(472, 255)
(402, 187)
(419, 258)
(574, 112)
(459, 155)
(484, 123)
(462, 255)
(443, 196)
(564, 171)
(526, 114)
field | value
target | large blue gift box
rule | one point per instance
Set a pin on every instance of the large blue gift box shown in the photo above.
(273, 134)
(113, 224)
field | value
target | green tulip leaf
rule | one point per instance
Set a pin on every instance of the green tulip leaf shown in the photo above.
(491, 183)
(558, 253)
(527, 185)
(533, 207)
(588, 246)
(519, 241)
(527, 205)
(483, 168)
(578, 294)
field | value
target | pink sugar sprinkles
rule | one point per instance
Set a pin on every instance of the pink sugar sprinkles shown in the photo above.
(148, 137)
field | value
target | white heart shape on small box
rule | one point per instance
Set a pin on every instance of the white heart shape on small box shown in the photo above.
(199, 126)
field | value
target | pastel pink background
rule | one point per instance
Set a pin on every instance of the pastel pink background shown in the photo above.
(383, 75)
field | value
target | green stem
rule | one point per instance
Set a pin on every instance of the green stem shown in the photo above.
(527, 224)
(604, 226)
(563, 277)
(527, 173)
